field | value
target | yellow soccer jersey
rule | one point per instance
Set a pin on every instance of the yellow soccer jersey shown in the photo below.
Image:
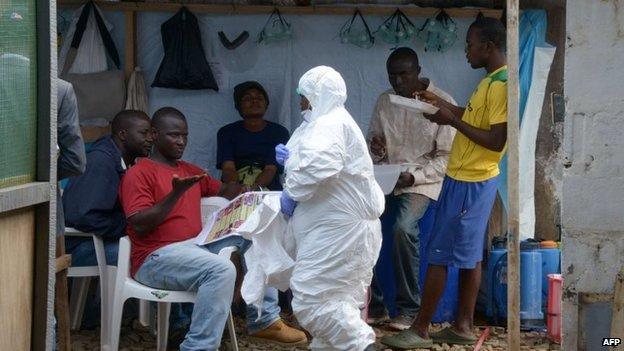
(469, 161)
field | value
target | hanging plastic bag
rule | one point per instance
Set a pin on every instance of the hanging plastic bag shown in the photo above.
(276, 29)
(184, 65)
(439, 32)
(396, 29)
(359, 37)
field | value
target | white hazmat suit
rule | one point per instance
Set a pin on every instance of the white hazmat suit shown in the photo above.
(336, 223)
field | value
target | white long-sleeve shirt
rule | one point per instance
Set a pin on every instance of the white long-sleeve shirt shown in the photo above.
(411, 140)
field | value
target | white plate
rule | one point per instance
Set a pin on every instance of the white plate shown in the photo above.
(387, 176)
(414, 105)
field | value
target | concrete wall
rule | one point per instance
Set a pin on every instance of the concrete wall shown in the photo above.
(593, 177)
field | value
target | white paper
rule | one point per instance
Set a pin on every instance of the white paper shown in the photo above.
(387, 176)
(413, 104)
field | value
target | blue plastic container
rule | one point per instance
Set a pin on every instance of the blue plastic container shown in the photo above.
(496, 278)
(530, 285)
(447, 307)
(531, 314)
(551, 264)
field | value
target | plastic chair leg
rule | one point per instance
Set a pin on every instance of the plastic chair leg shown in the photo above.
(80, 290)
(144, 313)
(164, 308)
(115, 325)
(230, 326)
(107, 292)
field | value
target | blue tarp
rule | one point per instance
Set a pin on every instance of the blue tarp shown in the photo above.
(533, 25)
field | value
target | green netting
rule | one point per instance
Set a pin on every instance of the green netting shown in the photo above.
(18, 74)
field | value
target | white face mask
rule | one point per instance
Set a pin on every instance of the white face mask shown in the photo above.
(305, 114)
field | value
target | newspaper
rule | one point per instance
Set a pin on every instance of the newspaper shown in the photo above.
(225, 222)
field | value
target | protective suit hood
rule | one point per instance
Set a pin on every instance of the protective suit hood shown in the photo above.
(324, 88)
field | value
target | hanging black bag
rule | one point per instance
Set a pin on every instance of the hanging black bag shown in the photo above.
(184, 65)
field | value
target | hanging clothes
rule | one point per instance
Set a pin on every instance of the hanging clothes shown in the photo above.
(184, 65)
(136, 97)
(91, 54)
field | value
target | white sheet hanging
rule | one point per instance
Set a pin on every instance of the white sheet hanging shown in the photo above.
(528, 137)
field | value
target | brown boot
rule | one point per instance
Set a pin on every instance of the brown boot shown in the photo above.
(282, 334)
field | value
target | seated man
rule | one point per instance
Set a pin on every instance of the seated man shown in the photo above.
(246, 149)
(161, 197)
(90, 200)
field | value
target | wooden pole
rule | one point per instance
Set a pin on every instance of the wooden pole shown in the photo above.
(130, 43)
(513, 162)
(409, 10)
(617, 316)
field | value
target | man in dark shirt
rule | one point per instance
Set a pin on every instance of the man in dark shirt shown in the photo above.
(90, 200)
(246, 149)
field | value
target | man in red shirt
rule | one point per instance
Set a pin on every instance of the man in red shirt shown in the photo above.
(161, 197)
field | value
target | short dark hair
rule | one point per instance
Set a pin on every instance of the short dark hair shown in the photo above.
(123, 119)
(491, 29)
(164, 113)
(404, 53)
(241, 89)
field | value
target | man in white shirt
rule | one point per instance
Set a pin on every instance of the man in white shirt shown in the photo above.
(399, 136)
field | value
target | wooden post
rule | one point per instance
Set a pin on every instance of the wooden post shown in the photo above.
(617, 314)
(61, 296)
(130, 43)
(513, 174)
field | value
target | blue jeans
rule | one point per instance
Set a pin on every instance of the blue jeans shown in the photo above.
(407, 210)
(270, 309)
(186, 266)
(83, 251)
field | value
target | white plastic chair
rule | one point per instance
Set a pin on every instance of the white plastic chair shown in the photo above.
(209, 205)
(80, 286)
(126, 287)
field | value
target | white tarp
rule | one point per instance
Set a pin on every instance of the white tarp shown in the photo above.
(528, 137)
(278, 67)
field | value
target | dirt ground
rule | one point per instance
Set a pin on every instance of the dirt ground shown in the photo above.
(135, 337)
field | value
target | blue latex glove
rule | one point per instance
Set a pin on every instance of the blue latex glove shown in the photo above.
(287, 204)
(281, 154)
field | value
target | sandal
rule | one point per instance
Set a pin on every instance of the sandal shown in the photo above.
(407, 339)
(451, 337)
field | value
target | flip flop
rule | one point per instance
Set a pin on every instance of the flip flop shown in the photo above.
(407, 339)
(449, 336)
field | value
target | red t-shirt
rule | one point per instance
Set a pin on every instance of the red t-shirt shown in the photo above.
(146, 184)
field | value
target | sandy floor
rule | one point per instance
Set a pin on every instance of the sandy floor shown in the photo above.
(134, 338)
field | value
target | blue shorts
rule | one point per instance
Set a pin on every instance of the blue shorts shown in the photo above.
(460, 223)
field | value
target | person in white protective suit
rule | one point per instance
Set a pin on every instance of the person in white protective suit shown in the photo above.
(335, 203)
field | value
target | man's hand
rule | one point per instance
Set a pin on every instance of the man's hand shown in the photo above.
(406, 179)
(231, 190)
(444, 116)
(378, 146)
(181, 185)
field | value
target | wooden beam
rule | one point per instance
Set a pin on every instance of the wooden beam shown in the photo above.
(513, 174)
(130, 43)
(24, 195)
(63, 262)
(617, 314)
(129, 6)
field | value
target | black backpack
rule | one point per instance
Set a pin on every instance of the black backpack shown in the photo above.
(184, 65)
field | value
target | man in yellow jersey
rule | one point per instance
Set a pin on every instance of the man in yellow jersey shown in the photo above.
(468, 192)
